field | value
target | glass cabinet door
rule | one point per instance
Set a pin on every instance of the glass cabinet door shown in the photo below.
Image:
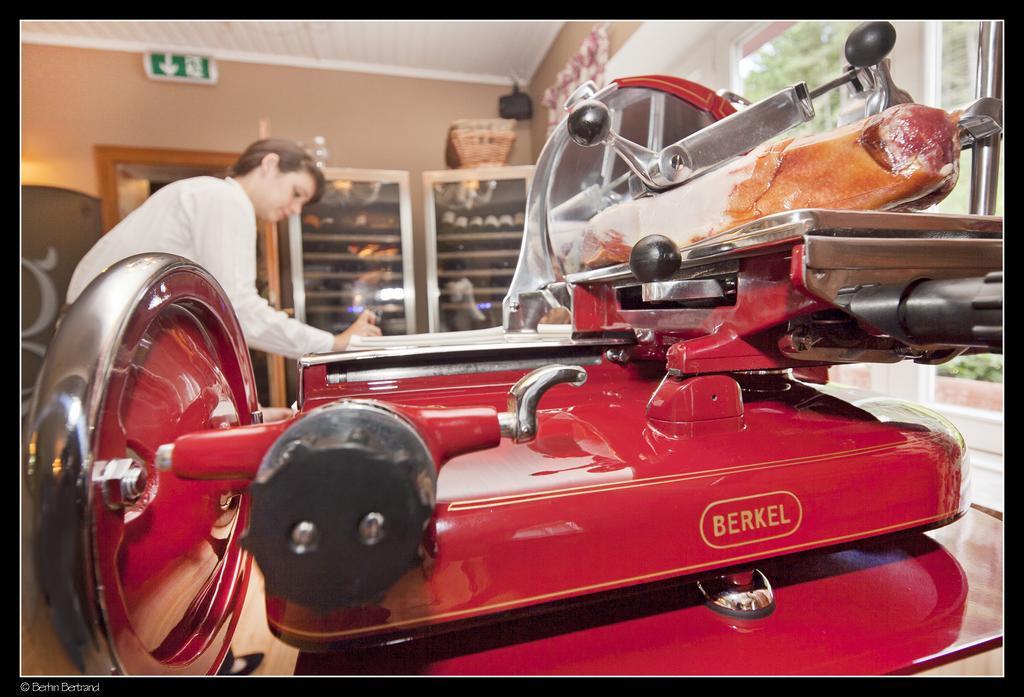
(352, 250)
(474, 221)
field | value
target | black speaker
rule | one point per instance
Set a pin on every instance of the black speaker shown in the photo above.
(516, 105)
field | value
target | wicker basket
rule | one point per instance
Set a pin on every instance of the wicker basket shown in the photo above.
(480, 142)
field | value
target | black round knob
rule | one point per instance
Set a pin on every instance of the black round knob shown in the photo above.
(589, 122)
(870, 43)
(339, 507)
(654, 258)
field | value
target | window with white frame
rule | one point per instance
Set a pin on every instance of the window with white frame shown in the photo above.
(772, 55)
(974, 381)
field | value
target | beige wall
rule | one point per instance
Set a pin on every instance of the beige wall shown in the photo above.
(73, 99)
(564, 46)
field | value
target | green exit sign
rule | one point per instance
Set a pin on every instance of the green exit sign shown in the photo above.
(181, 68)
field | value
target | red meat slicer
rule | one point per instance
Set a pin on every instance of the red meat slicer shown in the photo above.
(684, 433)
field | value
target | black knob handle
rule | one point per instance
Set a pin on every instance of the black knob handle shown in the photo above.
(589, 122)
(339, 507)
(990, 299)
(945, 312)
(870, 43)
(653, 258)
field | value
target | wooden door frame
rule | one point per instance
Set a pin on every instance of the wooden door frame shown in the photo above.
(108, 157)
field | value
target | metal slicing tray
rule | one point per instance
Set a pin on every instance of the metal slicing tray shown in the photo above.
(792, 227)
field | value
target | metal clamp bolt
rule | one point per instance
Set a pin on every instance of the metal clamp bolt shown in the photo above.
(304, 538)
(121, 480)
(371, 528)
(617, 355)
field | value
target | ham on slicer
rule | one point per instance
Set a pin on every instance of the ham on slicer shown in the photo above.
(905, 158)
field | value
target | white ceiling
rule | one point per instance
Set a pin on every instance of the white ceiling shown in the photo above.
(464, 51)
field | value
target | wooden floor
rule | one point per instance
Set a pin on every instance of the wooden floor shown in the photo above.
(41, 653)
(252, 635)
(988, 663)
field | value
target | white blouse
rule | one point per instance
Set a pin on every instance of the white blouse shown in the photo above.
(212, 222)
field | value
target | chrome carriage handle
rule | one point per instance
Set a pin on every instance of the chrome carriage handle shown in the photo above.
(866, 49)
(519, 423)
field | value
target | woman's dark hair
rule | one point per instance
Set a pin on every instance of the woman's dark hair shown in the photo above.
(292, 158)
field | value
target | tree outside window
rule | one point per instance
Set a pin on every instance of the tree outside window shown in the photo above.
(810, 52)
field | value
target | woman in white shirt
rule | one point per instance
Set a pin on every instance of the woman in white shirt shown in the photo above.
(213, 222)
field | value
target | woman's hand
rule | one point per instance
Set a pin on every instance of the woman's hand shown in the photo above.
(276, 414)
(365, 325)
